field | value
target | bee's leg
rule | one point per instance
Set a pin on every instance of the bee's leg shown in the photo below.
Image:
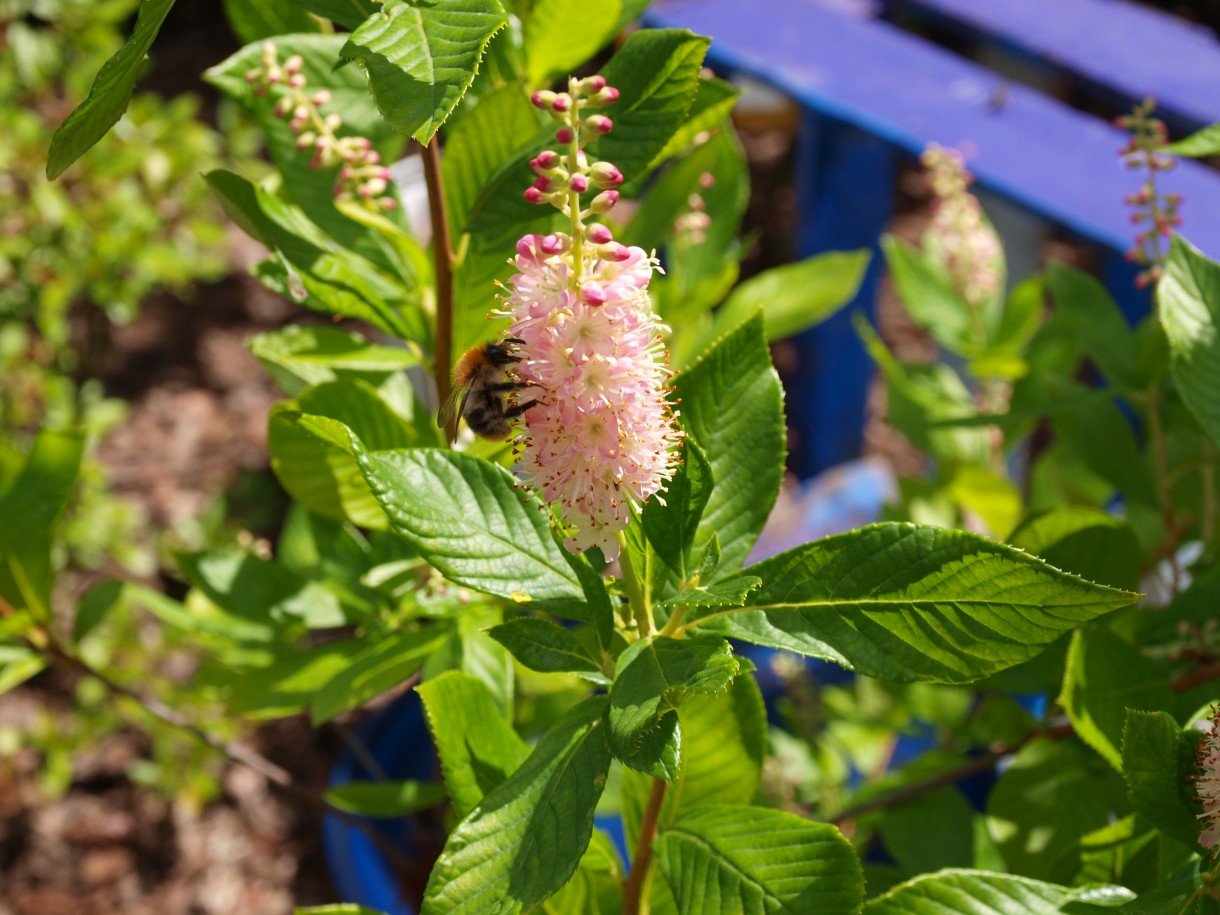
(520, 408)
(509, 385)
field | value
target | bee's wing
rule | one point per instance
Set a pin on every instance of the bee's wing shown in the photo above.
(454, 405)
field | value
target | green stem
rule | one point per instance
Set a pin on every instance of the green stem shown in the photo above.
(640, 607)
(1156, 441)
(674, 624)
(443, 253)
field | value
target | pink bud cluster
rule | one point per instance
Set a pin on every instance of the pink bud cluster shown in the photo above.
(1157, 213)
(1207, 781)
(601, 438)
(966, 244)
(564, 177)
(361, 174)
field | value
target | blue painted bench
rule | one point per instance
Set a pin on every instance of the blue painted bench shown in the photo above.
(870, 93)
(1116, 49)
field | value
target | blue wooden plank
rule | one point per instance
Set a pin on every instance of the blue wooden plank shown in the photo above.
(845, 195)
(1035, 151)
(1114, 44)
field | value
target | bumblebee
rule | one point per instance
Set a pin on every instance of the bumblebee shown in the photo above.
(480, 386)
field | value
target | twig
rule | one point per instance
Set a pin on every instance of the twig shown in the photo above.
(633, 889)
(443, 254)
(1191, 680)
(245, 756)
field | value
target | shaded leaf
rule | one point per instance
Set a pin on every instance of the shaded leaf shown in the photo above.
(380, 667)
(1188, 296)
(1158, 762)
(560, 35)
(969, 892)
(477, 747)
(670, 526)
(541, 645)
(385, 800)
(525, 839)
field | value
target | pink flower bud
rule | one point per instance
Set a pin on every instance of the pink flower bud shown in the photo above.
(599, 123)
(274, 74)
(607, 96)
(563, 135)
(555, 243)
(322, 97)
(527, 247)
(598, 234)
(594, 83)
(604, 175)
(592, 293)
(283, 106)
(578, 183)
(389, 204)
(543, 184)
(297, 80)
(375, 186)
(296, 125)
(253, 76)
(371, 156)
(293, 64)
(543, 98)
(615, 252)
(306, 140)
(545, 160)
(561, 102)
(604, 202)
(533, 195)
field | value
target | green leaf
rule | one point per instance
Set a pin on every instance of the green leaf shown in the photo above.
(656, 675)
(909, 602)
(724, 742)
(1104, 677)
(560, 35)
(319, 474)
(527, 836)
(380, 667)
(929, 297)
(732, 405)
(268, 18)
(658, 752)
(260, 589)
(727, 860)
(95, 605)
(334, 281)
(1093, 318)
(657, 73)
(670, 526)
(1188, 296)
(467, 518)
(470, 650)
(477, 747)
(339, 908)
(30, 507)
(543, 646)
(347, 13)
(18, 664)
(797, 296)
(968, 892)
(1053, 794)
(1158, 762)
(1204, 142)
(111, 90)
(714, 100)
(1101, 437)
(930, 831)
(385, 800)
(301, 355)
(421, 58)
(42, 489)
(1084, 541)
(292, 682)
(597, 886)
(990, 495)
(731, 592)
